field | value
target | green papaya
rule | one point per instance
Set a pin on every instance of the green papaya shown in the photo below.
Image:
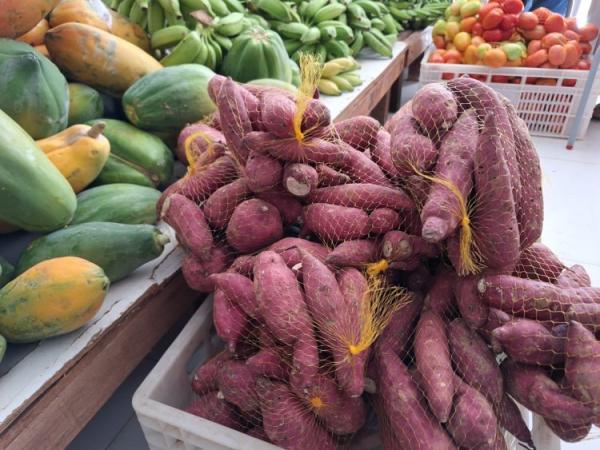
(119, 202)
(33, 92)
(6, 271)
(296, 79)
(257, 53)
(136, 156)
(117, 248)
(34, 195)
(2, 347)
(169, 98)
(85, 103)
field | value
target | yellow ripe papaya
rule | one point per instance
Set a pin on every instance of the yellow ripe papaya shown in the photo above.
(79, 153)
(42, 50)
(97, 14)
(35, 36)
(52, 298)
(19, 16)
(98, 58)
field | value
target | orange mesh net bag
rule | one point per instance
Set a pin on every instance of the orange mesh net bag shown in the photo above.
(380, 286)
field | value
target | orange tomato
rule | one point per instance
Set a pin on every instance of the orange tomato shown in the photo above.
(485, 9)
(515, 63)
(450, 46)
(536, 59)
(534, 46)
(527, 21)
(586, 48)
(571, 23)
(542, 14)
(439, 42)
(467, 24)
(436, 59)
(538, 32)
(584, 64)
(492, 19)
(462, 40)
(569, 82)
(557, 54)
(555, 23)
(547, 65)
(495, 58)
(499, 79)
(530, 80)
(452, 54)
(588, 32)
(572, 55)
(553, 39)
(470, 55)
(477, 40)
(546, 82)
(572, 35)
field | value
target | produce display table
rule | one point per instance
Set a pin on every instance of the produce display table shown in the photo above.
(50, 390)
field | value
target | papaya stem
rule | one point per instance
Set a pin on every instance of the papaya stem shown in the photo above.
(96, 130)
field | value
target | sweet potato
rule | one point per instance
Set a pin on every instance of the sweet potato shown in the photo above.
(239, 291)
(289, 207)
(382, 156)
(419, 278)
(219, 207)
(474, 361)
(529, 342)
(235, 122)
(262, 172)
(360, 168)
(569, 433)
(268, 363)
(534, 389)
(278, 111)
(496, 318)
(432, 358)
(389, 440)
(574, 276)
(442, 212)
(244, 265)
(258, 432)
(356, 253)
(305, 361)
(289, 249)
(472, 309)
(360, 132)
(197, 273)
(238, 385)
(382, 220)
(230, 321)
(390, 125)
(330, 177)
(588, 314)
(435, 109)
(408, 265)
(205, 377)
(409, 149)
(510, 418)
(300, 179)
(287, 421)
(362, 195)
(401, 326)
(472, 423)
(400, 246)
(213, 407)
(440, 296)
(582, 364)
(201, 139)
(249, 98)
(334, 223)
(411, 422)
(254, 224)
(538, 262)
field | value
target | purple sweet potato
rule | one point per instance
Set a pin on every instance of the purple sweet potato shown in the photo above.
(362, 195)
(443, 210)
(392, 123)
(360, 132)
(440, 296)
(510, 418)
(200, 139)
(574, 276)
(529, 342)
(569, 433)
(435, 108)
(382, 156)
(395, 336)
(472, 423)
(235, 122)
(496, 318)
(300, 179)
(408, 265)
(331, 177)
(249, 98)
(230, 321)
(263, 172)
(334, 223)
(470, 305)
(289, 249)
(410, 420)
(357, 253)
(411, 150)
(588, 314)
(268, 362)
(400, 246)
(197, 273)
(305, 361)
(389, 440)
(258, 432)
(244, 265)
(419, 278)
(287, 421)
(205, 378)
(382, 220)
(239, 290)
(582, 365)
(538, 262)
(360, 168)
(474, 361)
(238, 385)
(213, 407)
(535, 390)
(188, 221)
(289, 207)
(254, 224)
(219, 207)
(432, 358)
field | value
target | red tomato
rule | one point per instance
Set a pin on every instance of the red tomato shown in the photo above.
(537, 33)
(451, 56)
(534, 46)
(492, 35)
(439, 41)
(589, 32)
(531, 80)
(557, 54)
(436, 59)
(485, 9)
(477, 29)
(515, 80)
(512, 6)
(447, 76)
(555, 23)
(584, 64)
(572, 35)
(569, 82)
(492, 19)
(571, 23)
(527, 21)
(507, 34)
(542, 14)
(509, 21)
(500, 79)
(586, 48)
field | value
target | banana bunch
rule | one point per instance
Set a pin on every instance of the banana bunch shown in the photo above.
(416, 15)
(339, 75)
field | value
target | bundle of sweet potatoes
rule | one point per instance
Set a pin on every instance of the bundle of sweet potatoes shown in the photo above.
(308, 231)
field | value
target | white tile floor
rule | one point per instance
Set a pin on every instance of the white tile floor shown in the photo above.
(572, 219)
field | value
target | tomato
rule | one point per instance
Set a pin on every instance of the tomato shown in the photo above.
(470, 55)
(542, 14)
(492, 19)
(531, 80)
(573, 53)
(515, 80)
(436, 59)
(555, 23)
(586, 48)
(485, 9)
(499, 78)
(588, 32)
(452, 55)
(439, 42)
(506, 34)
(447, 76)
(557, 54)
(515, 63)
(450, 46)
(512, 6)
(509, 21)
(462, 40)
(495, 58)
(546, 82)
(536, 59)
(569, 82)
(477, 40)
(451, 29)
(534, 46)
(470, 9)
(553, 39)
(492, 35)
(477, 29)
(572, 35)
(584, 64)
(527, 21)
(537, 33)
(571, 23)
(467, 24)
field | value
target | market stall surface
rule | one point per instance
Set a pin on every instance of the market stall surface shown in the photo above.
(572, 214)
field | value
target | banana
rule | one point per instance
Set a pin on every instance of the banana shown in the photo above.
(275, 9)
(156, 17)
(311, 36)
(378, 23)
(219, 7)
(321, 53)
(329, 12)
(291, 45)
(312, 7)
(258, 20)
(358, 43)
(381, 47)
(328, 87)
(294, 30)
(356, 11)
(217, 48)
(302, 8)
(306, 48)
(168, 37)
(235, 6)
(343, 18)
(400, 14)
(328, 33)
(373, 9)
(173, 19)
(136, 13)
(171, 7)
(185, 52)
(347, 63)
(195, 5)
(331, 68)
(143, 4)
(391, 38)
(230, 25)
(390, 25)
(352, 78)
(343, 32)
(125, 7)
(337, 49)
(211, 57)
(202, 52)
(224, 42)
(342, 83)
(113, 4)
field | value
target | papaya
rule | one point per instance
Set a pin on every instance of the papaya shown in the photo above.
(257, 53)
(34, 92)
(117, 248)
(6, 227)
(136, 157)
(170, 98)
(6, 271)
(34, 195)
(119, 202)
(85, 103)
(42, 50)
(52, 298)
(97, 58)
(2, 347)
(79, 153)
(96, 14)
(20, 16)
(35, 36)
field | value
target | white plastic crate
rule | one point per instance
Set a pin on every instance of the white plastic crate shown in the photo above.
(547, 110)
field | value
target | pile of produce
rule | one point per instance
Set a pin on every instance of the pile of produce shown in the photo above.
(500, 33)
(417, 14)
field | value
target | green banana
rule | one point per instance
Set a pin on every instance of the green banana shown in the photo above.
(312, 7)
(311, 36)
(337, 49)
(137, 14)
(211, 56)
(378, 23)
(343, 32)
(343, 18)
(328, 87)
(294, 30)
(275, 9)
(113, 4)
(390, 24)
(328, 33)
(142, 4)
(219, 7)
(291, 45)
(125, 7)
(356, 11)
(235, 6)
(352, 78)
(195, 5)
(168, 37)
(358, 43)
(321, 53)
(202, 52)
(342, 83)
(258, 20)
(156, 17)
(224, 42)
(185, 52)
(362, 23)
(171, 7)
(229, 25)
(305, 48)
(372, 8)
(217, 48)
(380, 46)
(302, 8)
(329, 12)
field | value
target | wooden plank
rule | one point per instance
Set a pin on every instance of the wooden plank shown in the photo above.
(416, 44)
(381, 109)
(64, 409)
